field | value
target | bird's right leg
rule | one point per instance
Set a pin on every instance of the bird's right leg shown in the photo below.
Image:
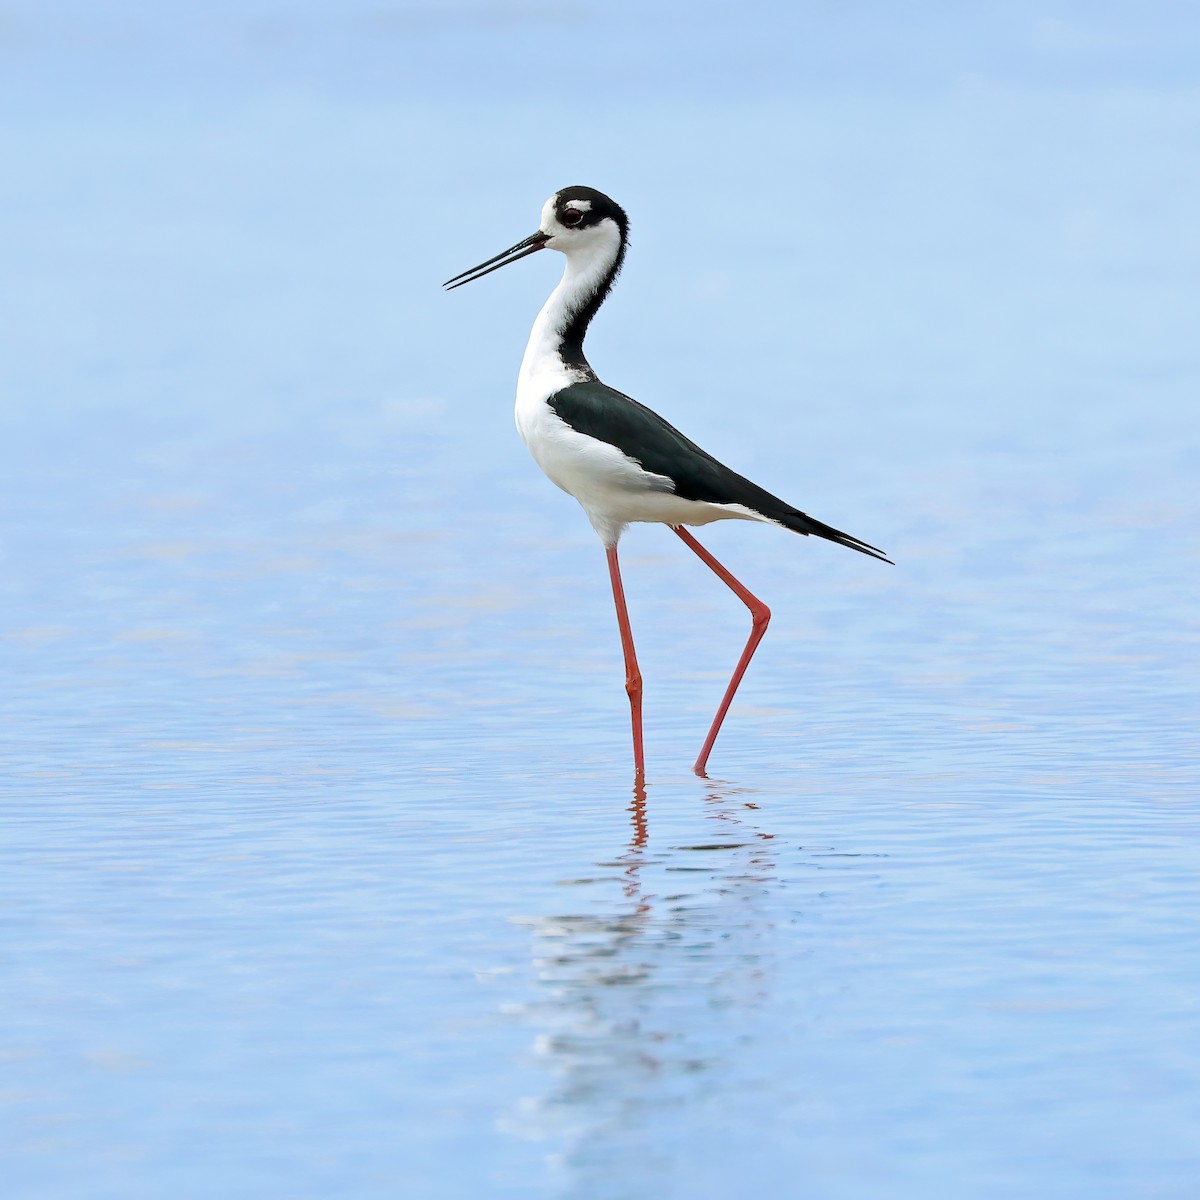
(633, 677)
(760, 616)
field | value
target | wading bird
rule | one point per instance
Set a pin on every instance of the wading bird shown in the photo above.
(620, 460)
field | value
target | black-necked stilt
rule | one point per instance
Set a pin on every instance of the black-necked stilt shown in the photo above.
(621, 461)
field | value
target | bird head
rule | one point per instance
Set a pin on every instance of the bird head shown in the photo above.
(580, 222)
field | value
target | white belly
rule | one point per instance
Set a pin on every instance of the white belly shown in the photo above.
(613, 488)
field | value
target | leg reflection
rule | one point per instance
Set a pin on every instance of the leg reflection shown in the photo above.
(652, 983)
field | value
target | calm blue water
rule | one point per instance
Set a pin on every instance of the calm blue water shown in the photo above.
(322, 870)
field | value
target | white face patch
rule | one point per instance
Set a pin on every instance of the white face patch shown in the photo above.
(550, 221)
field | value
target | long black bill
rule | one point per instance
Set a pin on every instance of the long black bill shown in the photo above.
(520, 250)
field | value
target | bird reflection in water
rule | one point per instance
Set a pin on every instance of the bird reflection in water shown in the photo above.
(652, 985)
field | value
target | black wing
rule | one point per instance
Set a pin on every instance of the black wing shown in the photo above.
(610, 416)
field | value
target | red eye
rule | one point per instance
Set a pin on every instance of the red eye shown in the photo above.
(571, 216)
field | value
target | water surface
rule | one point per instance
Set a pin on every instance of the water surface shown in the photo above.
(323, 871)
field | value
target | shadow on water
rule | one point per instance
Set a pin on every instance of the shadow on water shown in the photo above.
(649, 985)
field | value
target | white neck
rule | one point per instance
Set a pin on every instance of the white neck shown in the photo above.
(588, 266)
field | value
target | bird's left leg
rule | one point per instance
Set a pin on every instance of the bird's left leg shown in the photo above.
(633, 676)
(760, 615)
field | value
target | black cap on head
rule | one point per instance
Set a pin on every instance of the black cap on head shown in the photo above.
(593, 205)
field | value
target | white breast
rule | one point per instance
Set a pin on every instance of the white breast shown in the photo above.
(597, 474)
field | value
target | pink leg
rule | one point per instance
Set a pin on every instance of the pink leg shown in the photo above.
(633, 677)
(760, 615)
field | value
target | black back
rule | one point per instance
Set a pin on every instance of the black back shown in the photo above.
(595, 409)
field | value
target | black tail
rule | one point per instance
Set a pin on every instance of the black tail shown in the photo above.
(800, 522)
